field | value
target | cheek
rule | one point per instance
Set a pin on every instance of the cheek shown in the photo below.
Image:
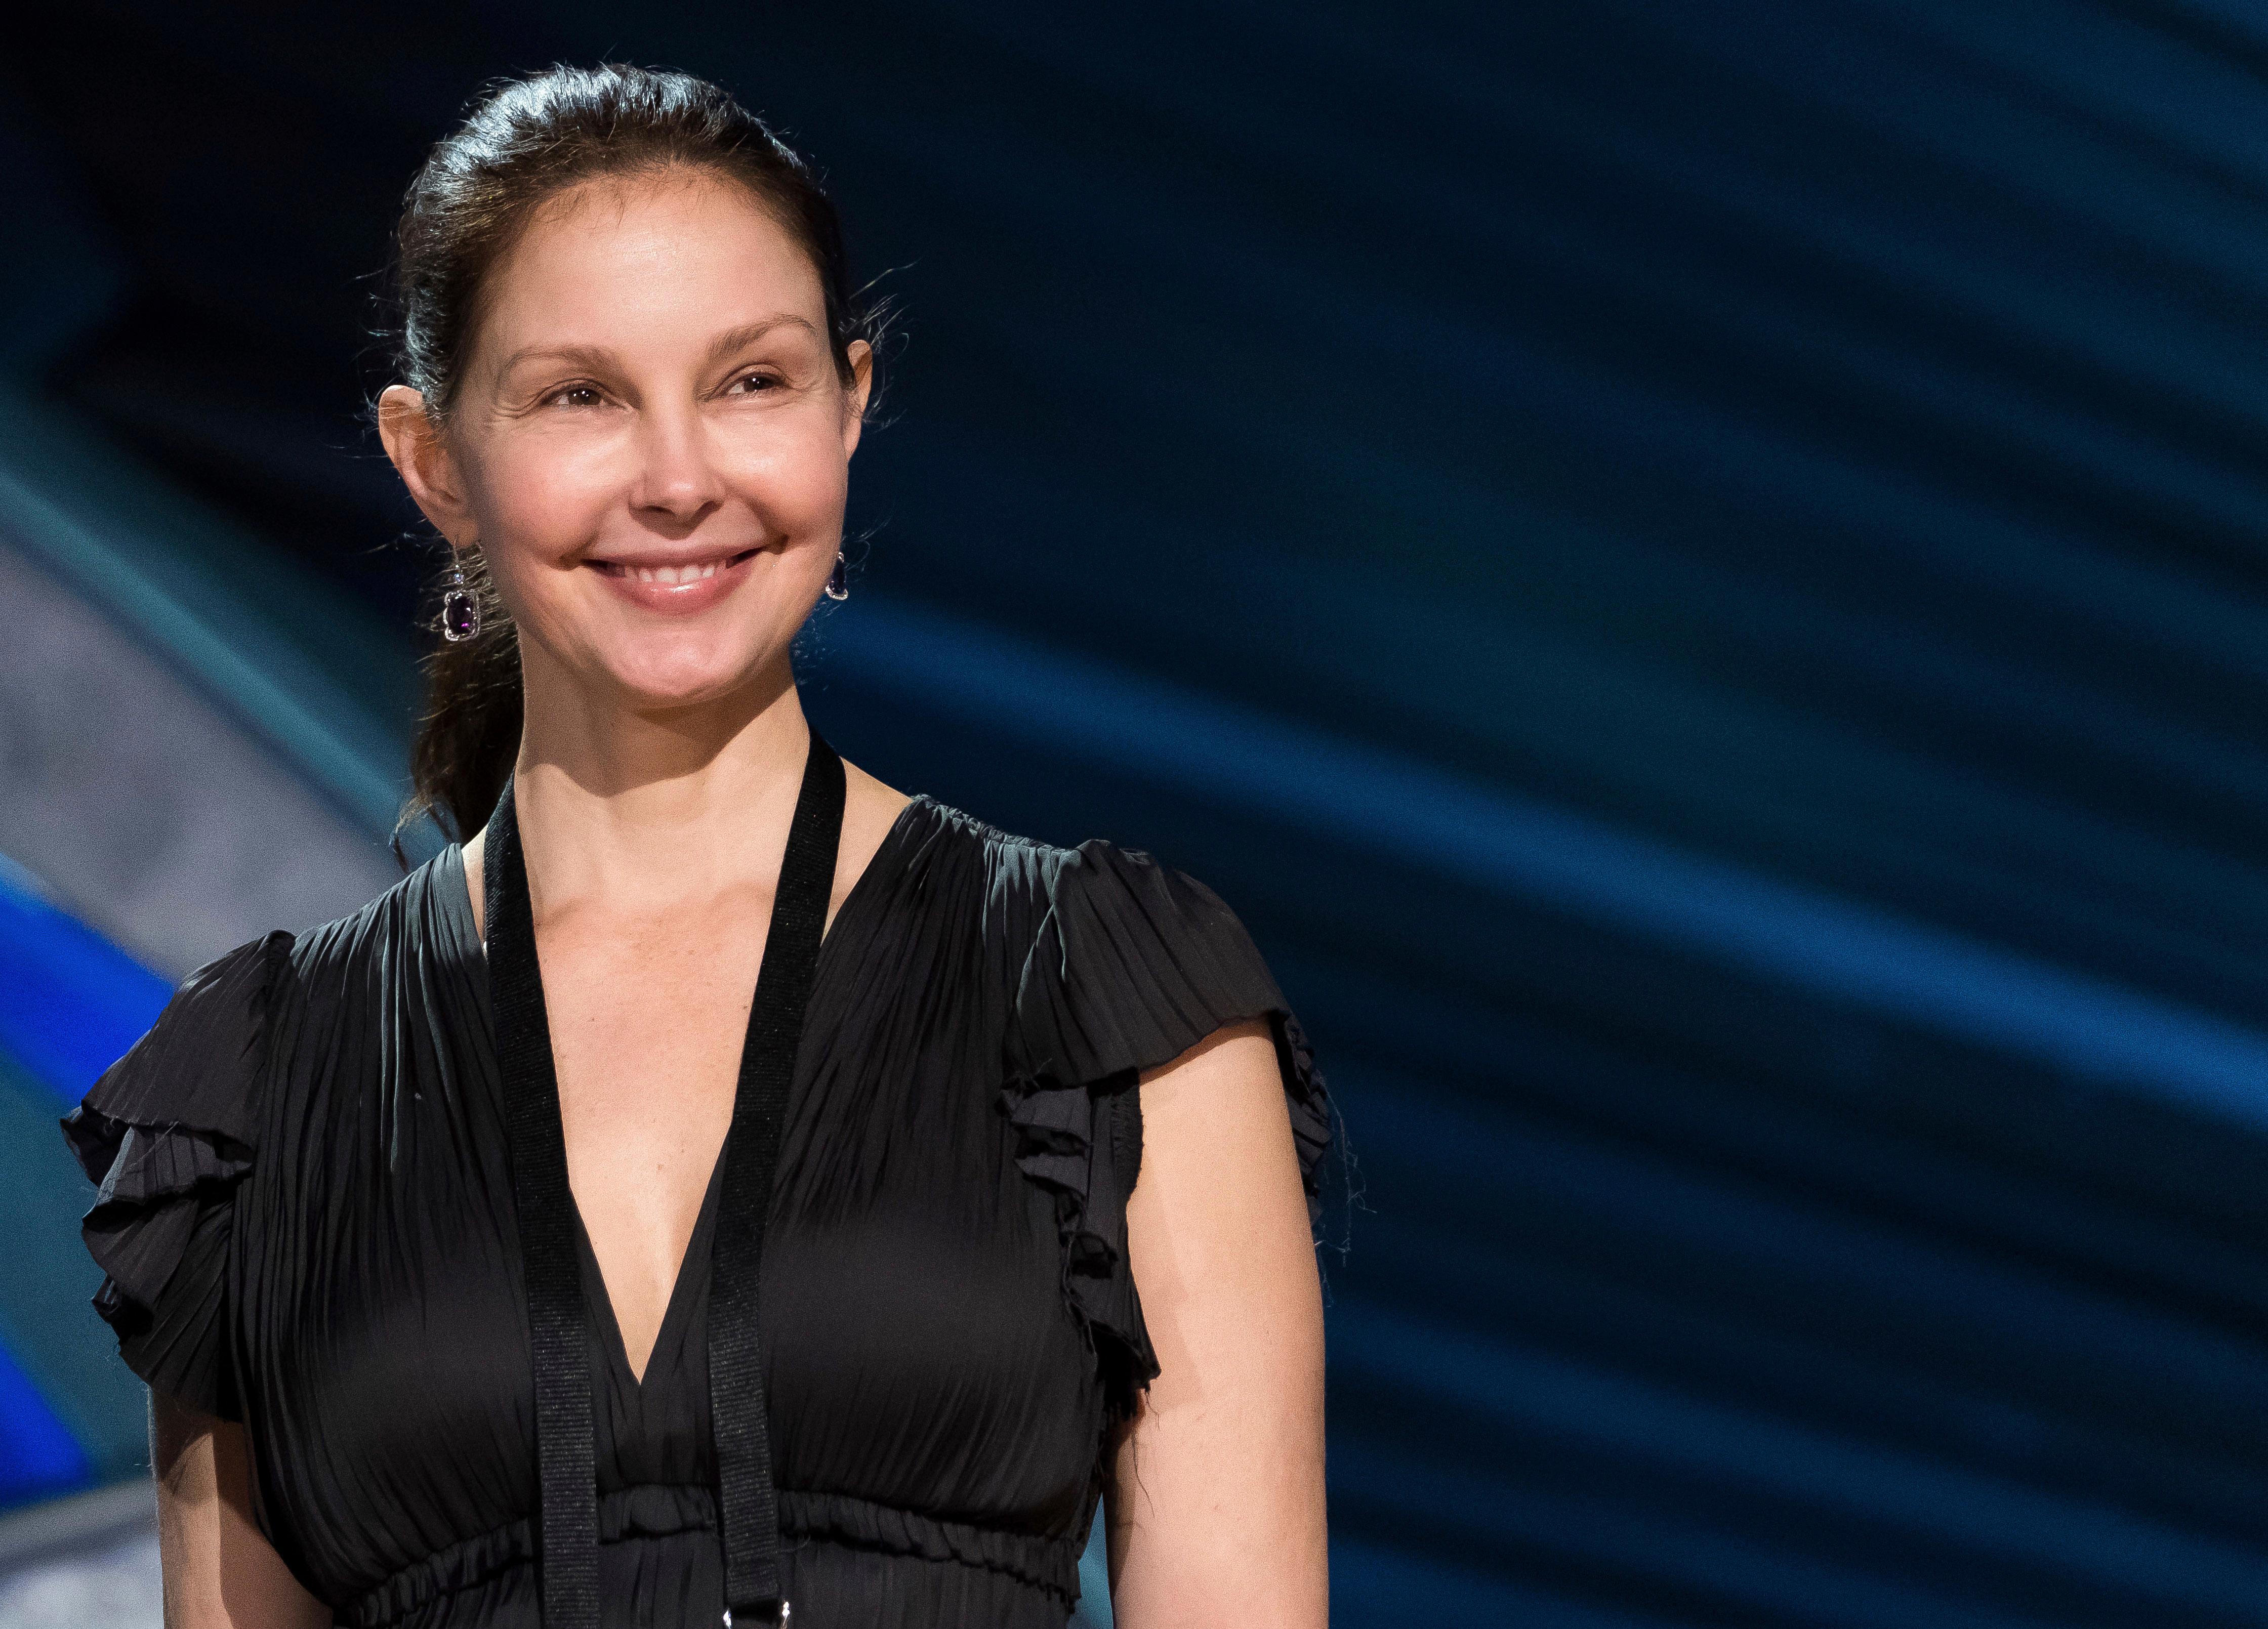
(542, 500)
(794, 477)
(537, 509)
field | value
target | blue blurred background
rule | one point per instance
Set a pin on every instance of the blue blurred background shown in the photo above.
(1695, 571)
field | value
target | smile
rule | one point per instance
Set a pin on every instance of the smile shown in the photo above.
(684, 586)
(673, 573)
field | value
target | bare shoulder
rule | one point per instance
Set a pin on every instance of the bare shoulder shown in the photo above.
(870, 810)
(1216, 1117)
(475, 854)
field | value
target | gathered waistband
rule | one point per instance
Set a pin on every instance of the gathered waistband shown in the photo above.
(660, 1511)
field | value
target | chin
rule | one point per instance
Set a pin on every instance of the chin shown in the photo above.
(659, 681)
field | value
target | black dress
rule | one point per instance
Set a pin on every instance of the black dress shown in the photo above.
(307, 1222)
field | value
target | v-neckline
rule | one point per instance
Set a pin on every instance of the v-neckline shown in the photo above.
(458, 898)
(680, 1290)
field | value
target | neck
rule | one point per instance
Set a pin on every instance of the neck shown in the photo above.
(641, 810)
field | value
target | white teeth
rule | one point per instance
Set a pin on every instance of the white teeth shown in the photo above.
(674, 574)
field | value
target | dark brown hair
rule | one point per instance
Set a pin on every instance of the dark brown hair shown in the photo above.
(524, 141)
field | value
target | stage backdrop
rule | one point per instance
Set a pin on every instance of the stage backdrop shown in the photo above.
(1694, 570)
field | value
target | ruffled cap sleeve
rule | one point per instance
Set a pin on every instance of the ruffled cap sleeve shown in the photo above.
(1132, 964)
(168, 1133)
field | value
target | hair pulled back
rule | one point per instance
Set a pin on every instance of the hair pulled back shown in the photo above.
(524, 142)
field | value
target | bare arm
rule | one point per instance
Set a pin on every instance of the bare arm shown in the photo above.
(1216, 1507)
(220, 1573)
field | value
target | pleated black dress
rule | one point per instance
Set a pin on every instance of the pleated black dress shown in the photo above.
(306, 1219)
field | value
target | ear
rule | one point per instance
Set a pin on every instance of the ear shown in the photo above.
(428, 468)
(862, 386)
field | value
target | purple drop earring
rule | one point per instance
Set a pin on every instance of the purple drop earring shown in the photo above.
(460, 608)
(838, 587)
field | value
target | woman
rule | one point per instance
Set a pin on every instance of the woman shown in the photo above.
(435, 1231)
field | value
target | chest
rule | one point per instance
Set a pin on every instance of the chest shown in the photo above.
(917, 1348)
(648, 1014)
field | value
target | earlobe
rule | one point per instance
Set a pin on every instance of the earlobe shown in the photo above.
(420, 456)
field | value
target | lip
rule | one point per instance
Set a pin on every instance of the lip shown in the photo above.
(699, 583)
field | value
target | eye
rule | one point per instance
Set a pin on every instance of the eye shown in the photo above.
(574, 396)
(753, 383)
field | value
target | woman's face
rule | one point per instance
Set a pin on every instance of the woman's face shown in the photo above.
(649, 444)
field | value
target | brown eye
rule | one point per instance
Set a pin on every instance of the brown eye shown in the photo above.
(575, 396)
(754, 384)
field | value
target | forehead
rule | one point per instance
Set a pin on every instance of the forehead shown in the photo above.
(620, 257)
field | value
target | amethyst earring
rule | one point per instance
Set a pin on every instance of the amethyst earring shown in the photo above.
(460, 608)
(838, 586)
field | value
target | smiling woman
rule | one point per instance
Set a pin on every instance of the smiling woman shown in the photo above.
(719, 1186)
(649, 417)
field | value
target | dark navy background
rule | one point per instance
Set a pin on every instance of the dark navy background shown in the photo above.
(1696, 572)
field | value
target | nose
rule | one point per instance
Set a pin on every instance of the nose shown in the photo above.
(677, 483)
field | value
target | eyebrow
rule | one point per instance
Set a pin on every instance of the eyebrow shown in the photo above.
(596, 357)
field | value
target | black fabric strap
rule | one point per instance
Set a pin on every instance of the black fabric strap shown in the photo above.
(747, 1502)
(566, 1448)
(566, 1445)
